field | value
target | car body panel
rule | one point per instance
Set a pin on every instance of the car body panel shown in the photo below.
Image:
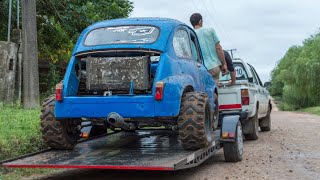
(177, 73)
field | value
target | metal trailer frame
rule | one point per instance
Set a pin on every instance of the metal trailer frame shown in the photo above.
(148, 150)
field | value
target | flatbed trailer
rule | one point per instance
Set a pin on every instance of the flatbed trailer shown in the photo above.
(155, 150)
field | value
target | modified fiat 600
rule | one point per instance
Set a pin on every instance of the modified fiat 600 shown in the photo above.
(129, 74)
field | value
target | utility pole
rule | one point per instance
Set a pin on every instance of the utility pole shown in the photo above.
(30, 55)
(231, 52)
(9, 21)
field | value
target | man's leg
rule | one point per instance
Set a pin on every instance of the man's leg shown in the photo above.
(215, 72)
(233, 77)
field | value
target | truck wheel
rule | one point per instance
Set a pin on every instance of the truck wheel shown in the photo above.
(194, 121)
(233, 150)
(265, 123)
(253, 124)
(58, 134)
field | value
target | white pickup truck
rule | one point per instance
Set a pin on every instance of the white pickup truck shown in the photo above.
(247, 98)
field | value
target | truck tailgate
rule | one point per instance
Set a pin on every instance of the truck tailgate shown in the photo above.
(230, 96)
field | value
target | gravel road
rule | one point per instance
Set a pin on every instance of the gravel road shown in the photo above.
(290, 151)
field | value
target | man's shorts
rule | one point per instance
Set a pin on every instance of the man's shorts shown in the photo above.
(215, 72)
(230, 66)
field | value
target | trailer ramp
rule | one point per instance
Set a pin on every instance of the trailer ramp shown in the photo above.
(158, 150)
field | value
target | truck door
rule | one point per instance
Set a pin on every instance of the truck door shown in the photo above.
(264, 93)
(259, 93)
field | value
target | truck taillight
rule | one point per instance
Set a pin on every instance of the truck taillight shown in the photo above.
(159, 91)
(59, 89)
(245, 98)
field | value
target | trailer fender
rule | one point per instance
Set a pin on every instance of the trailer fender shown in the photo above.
(229, 128)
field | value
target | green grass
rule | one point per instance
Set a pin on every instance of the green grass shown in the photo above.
(9, 174)
(286, 107)
(19, 135)
(312, 110)
(19, 131)
(283, 106)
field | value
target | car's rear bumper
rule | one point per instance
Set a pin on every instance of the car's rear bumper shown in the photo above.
(127, 106)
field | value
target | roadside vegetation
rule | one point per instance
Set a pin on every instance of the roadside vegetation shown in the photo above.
(19, 135)
(312, 110)
(19, 131)
(295, 80)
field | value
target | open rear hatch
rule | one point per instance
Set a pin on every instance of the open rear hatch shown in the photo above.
(117, 73)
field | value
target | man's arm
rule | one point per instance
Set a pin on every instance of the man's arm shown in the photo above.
(222, 58)
(230, 67)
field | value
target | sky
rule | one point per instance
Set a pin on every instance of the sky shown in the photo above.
(261, 30)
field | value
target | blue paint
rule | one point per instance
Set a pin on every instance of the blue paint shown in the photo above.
(131, 88)
(177, 74)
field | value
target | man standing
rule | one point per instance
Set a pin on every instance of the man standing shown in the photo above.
(210, 46)
(230, 67)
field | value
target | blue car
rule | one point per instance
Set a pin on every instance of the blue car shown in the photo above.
(129, 74)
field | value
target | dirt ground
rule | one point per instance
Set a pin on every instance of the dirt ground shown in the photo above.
(290, 151)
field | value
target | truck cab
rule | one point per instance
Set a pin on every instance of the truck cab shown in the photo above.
(248, 98)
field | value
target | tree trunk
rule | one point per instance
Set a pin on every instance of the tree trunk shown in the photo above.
(30, 55)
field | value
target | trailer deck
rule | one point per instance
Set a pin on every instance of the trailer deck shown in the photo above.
(158, 150)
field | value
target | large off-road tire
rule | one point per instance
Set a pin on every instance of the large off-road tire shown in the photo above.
(253, 124)
(265, 123)
(233, 150)
(58, 134)
(194, 121)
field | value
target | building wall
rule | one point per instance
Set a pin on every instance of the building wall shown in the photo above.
(8, 64)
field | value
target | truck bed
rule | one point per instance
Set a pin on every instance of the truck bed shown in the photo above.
(140, 150)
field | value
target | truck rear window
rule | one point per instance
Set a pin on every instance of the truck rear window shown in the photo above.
(241, 73)
(122, 35)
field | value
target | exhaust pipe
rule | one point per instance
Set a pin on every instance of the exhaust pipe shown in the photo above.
(117, 121)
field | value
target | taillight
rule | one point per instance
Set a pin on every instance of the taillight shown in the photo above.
(228, 135)
(59, 88)
(245, 98)
(159, 91)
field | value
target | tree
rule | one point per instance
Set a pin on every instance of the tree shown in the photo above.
(59, 23)
(296, 77)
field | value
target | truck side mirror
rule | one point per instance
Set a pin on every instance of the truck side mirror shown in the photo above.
(267, 84)
(250, 79)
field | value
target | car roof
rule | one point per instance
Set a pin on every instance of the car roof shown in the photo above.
(140, 20)
(166, 26)
(238, 60)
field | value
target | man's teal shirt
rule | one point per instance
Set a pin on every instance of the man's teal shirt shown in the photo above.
(208, 40)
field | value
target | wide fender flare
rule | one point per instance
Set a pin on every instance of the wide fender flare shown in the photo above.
(175, 86)
(229, 125)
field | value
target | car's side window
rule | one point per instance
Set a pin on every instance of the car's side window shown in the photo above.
(254, 76)
(181, 44)
(195, 48)
(258, 78)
